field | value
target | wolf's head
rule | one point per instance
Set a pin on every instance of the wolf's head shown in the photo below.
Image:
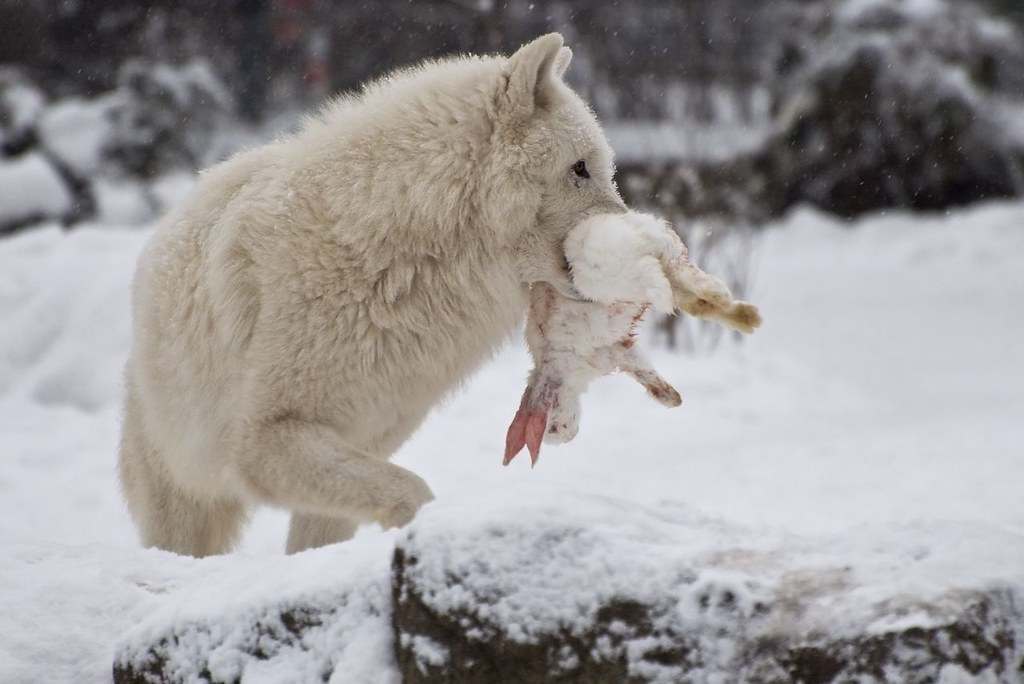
(549, 147)
(497, 152)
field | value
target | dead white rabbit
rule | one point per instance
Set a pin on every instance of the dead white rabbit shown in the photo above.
(623, 264)
(573, 342)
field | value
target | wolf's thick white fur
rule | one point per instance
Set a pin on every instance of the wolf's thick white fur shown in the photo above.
(298, 317)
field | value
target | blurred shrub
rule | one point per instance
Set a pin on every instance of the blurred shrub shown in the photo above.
(157, 120)
(914, 105)
(165, 118)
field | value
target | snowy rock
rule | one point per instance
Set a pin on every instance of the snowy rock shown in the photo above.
(306, 618)
(21, 106)
(595, 589)
(80, 159)
(661, 595)
(166, 118)
(76, 132)
(123, 202)
(31, 190)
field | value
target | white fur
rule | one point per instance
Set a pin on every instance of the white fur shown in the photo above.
(573, 342)
(638, 258)
(298, 317)
(623, 257)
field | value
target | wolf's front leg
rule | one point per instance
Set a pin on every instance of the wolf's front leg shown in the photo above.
(314, 531)
(312, 470)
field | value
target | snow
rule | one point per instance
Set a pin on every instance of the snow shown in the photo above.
(76, 132)
(31, 188)
(170, 190)
(872, 424)
(350, 581)
(852, 10)
(715, 584)
(121, 202)
(658, 141)
(21, 103)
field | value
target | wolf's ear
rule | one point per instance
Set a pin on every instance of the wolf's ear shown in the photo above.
(532, 72)
(562, 61)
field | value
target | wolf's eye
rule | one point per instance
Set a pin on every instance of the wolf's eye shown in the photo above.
(580, 169)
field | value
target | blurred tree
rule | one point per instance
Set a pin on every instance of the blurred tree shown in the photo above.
(22, 26)
(1011, 9)
(253, 56)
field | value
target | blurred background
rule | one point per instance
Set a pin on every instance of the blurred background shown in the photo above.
(723, 113)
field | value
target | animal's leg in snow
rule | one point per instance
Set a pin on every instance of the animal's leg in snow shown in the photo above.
(313, 531)
(171, 519)
(167, 516)
(310, 469)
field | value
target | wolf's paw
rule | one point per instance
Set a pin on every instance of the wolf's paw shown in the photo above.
(414, 495)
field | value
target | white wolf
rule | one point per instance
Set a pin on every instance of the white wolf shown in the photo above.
(300, 315)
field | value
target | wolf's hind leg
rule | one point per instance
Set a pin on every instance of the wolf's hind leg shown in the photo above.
(312, 531)
(168, 517)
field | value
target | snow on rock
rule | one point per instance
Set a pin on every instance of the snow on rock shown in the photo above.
(31, 190)
(320, 616)
(594, 589)
(171, 189)
(77, 132)
(80, 159)
(167, 118)
(21, 106)
(123, 202)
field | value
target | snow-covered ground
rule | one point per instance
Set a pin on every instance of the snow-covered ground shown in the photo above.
(883, 401)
